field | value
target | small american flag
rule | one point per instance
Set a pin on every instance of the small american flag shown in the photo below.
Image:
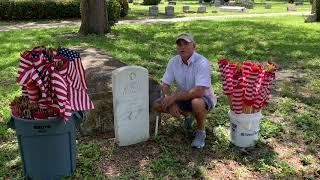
(69, 54)
(63, 87)
(77, 86)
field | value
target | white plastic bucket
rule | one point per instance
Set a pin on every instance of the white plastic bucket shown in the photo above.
(244, 128)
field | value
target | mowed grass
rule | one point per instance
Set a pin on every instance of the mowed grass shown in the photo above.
(142, 11)
(288, 145)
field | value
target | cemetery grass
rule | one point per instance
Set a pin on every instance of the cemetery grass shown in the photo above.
(142, 11)
(288, 146)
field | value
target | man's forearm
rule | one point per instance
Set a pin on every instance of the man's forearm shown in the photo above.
(165, 89)
(196, 92)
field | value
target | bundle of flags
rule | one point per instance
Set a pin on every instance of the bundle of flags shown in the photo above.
(247, 86)
(54, 80)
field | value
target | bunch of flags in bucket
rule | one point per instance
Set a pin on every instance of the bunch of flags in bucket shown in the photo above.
(247, 85)
(53, 84)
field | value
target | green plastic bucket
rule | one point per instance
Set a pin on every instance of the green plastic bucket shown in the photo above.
(47, 147)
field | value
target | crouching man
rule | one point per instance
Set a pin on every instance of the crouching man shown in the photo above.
(195, 97)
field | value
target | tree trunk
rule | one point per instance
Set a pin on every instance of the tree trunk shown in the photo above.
(94, 17)
(316, 4)
(313, 8)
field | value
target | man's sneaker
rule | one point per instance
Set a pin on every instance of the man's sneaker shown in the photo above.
(199, 139)
(187, 123)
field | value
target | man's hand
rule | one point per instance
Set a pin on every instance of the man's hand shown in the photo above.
(174, 110)
(167, 101)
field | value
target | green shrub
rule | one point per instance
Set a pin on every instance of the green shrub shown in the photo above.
(124, 8)
(113, 9)
(56, 9)
(35, 9)
(151, 2)
(246, 4)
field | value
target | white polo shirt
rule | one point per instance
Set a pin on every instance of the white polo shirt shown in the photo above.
(196, 73)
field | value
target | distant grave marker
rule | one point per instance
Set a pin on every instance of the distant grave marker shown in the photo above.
(217, 3)
(268, 6)
(169, 10)
(201, 9)
(130, 88)
(298, 3)
(291, 8)
(232, 3)
(153, 10)
(186, 9)
(172, 3)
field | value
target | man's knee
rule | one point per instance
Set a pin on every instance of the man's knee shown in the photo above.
(198, 104)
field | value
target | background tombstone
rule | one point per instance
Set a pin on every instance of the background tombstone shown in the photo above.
(268, 6)
(169, 10)
(201, 9)
(217, 3)
(172, 3)
(298, 3)
(232, 3)
(130, 90)
(186, 9)
(153, 10)
(291, 8)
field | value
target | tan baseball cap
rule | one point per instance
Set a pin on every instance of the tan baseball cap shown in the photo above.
(185, 36)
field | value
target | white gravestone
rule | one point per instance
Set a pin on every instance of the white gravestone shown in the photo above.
(130, 88)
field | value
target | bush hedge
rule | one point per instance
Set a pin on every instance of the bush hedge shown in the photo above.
(55, 9)
(113, 9)
(39, 9)
(124, 8)
(151, 2)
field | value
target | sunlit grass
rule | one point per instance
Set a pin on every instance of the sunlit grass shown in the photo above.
(142, 11)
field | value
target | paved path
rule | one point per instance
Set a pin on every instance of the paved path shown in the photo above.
(55, 24)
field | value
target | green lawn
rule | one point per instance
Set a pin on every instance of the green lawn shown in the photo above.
(288, 146)
(142, 11)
